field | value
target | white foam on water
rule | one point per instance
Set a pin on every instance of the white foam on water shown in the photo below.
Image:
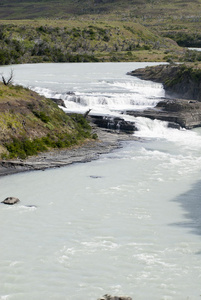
(148, 128)
(142, 87)
(100, 102)
(20, 208)
(118, 235)
(105, 95)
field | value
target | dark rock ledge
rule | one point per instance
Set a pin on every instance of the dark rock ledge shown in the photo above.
(113, 123)
(177, 112)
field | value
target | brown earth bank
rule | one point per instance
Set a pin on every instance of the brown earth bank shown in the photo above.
(182, 85)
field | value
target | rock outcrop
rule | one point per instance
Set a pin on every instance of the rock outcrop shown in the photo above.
(114, 123)
(179, 81)
(177, 112)
(59, 102)
(10, 201)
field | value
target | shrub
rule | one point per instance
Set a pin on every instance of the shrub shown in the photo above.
(42, 116)
(81, 121)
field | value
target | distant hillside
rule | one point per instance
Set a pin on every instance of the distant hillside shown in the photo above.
(82, 41)
(180, 20)
(23, 9)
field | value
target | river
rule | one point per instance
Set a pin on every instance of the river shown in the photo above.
(128, 223)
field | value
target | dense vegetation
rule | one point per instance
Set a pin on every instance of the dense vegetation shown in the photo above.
(98, 30)
(30, 124)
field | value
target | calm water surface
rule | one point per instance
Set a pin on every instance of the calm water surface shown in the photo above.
(127, 223)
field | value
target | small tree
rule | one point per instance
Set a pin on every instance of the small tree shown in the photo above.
(9, 80)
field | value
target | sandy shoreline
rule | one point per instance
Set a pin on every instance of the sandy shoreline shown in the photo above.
(108, 141)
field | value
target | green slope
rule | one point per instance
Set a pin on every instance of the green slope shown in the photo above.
(30, 124)
(81, 41)
(176, 19)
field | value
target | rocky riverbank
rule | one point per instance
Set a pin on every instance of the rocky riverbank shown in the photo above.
(107, 141)
(179, 80)
(182, 107)
(35, 134)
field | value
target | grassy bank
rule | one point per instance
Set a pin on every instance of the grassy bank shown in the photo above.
(30, 124)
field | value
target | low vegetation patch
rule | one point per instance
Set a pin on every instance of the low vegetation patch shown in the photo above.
(184, 73)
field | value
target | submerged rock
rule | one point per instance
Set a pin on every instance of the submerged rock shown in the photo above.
(109, 297)
(10, 200)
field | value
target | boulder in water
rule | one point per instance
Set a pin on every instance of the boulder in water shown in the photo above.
(109, 297)
(10, 200)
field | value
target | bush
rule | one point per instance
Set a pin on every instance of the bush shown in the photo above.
(24, 148)
(42, 116)
(81, 121)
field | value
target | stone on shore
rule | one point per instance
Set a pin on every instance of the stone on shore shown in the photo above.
(109, 297)
(10, 200)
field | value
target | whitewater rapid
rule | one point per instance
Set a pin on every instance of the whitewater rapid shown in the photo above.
(128, 223)
(103, 88)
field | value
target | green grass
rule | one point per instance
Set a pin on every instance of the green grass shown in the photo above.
(168, 18)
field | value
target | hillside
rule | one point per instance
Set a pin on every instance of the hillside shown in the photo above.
(26, 9)
(82, 41)
(179, 20)
(30, 124)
